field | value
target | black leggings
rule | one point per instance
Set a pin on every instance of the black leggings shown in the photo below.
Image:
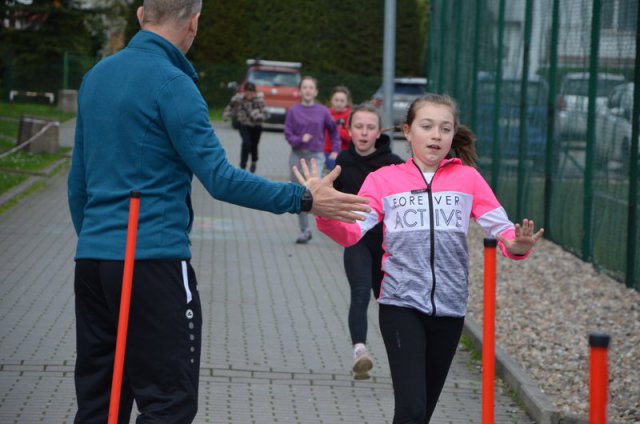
(362, 263)
(250, 139)
(420, 349)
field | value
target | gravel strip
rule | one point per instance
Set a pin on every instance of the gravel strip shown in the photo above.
(546, 306)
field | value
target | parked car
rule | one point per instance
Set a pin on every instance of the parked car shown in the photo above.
(405, 91)
(613, 129)
(277, 81)
(573, 101)
(509, 118)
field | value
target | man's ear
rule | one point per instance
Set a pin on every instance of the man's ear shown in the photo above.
(193, 23)
(140, 15)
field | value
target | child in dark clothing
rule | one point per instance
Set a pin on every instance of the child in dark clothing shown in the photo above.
(249, 111)
(368, 151)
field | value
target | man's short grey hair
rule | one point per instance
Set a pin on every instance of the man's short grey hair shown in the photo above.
(158, 12)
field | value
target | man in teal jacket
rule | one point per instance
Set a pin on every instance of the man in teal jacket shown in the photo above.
(143, 126)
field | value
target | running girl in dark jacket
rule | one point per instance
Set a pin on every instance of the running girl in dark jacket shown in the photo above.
(368, 151)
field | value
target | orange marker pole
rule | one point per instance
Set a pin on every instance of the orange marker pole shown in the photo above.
(489, 330)
(598, 388)
(125, 303)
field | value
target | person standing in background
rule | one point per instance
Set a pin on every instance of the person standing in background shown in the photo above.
(340, 111)
(249, 111)
(304, 130)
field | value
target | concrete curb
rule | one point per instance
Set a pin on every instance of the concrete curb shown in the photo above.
(31, 181)
(535, 401)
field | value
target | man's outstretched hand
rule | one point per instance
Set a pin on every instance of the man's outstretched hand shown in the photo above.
(327, 201)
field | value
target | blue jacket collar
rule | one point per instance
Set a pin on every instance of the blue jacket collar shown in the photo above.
(147, 40)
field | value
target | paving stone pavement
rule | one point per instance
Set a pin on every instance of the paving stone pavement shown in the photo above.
(276, 344)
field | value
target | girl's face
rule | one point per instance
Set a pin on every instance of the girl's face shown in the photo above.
(308, 91)
(430, 135)
(339, 101)
(364, 130)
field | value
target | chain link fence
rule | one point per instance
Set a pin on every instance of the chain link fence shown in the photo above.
(551, 89)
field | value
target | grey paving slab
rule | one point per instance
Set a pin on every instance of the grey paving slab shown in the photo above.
(276, 343)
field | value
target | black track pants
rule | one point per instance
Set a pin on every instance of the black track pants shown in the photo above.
(420, 349)
(162, 358)
(362, 263)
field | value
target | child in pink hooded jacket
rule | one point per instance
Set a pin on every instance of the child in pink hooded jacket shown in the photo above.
(426, 205)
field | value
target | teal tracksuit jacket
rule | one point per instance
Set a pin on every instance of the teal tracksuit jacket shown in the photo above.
(143, 125)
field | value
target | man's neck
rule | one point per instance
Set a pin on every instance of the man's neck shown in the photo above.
(167, 33)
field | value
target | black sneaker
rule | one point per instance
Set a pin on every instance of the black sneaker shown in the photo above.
(252, 167)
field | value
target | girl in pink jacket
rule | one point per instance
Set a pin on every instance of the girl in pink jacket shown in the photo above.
(426, 205)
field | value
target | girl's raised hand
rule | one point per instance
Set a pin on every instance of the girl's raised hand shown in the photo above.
(524, 238)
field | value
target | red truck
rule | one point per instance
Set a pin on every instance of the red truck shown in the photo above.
(277, 81)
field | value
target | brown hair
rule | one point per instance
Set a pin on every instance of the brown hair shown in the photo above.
(310, 78)
(365, 107)
(341, 89)
(463, 145)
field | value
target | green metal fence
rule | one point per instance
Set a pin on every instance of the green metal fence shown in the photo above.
(551, 89)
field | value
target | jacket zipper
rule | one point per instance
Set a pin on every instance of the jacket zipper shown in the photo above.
(432, 236)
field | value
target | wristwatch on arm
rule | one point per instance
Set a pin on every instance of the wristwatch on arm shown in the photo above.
(306, 201)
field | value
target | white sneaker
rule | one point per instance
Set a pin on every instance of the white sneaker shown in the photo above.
(304, 237)
(362, 363)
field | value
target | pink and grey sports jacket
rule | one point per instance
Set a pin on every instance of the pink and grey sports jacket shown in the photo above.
(425, 232)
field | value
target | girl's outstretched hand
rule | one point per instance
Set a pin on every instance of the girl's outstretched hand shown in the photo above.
(524, 239)
(327, 201)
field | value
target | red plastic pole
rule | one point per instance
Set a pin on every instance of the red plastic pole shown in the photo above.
(125, 303)
(489, 330)
(599, 343)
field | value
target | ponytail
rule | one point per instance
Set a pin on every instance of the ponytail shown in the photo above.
(464, 146)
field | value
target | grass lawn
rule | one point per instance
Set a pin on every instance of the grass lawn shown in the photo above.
(12, 166)
(10, 114)
(8, 130)
(216, 114)
(22, 162)
(31, 163)
(9, 181)
(16, 110)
